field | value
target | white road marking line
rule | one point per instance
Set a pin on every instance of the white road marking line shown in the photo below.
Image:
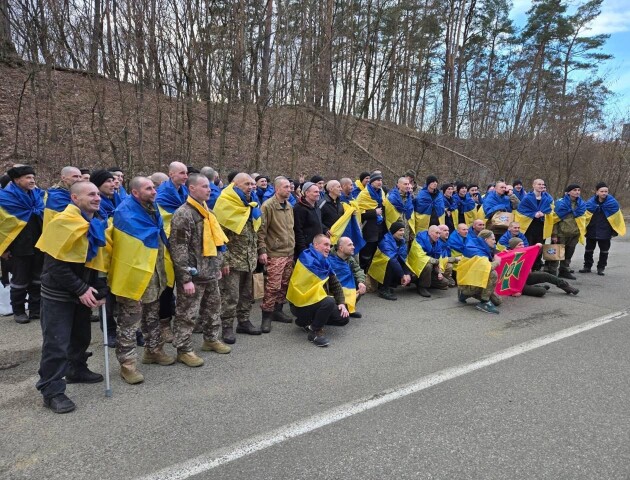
(216, 458)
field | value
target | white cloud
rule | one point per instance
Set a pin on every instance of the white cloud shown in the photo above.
(610, 22)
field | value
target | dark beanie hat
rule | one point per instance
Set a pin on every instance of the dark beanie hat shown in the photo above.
(317, 178)
(459, 186)
(431, 179)
(115, 168)
(517, 182)
(99, 177)
(17, 172)
(445, 187)
(363, 175)
(571, 186)
(514, 242)
(84, 171)
(395, 227)
(375, 176)
(597, 187)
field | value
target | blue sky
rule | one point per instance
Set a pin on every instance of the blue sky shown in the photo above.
(614, 21)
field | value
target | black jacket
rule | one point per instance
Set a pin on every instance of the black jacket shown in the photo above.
(24, 243)
(599, 227)
(66, 281)
(307, 222)
(331, 211)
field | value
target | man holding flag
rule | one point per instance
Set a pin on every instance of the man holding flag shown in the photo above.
(137, 276)
(73, 245)
(370, 203)
(424, 260)
(21, 216)
(389, 267)
(316, 296)
(399, 206)
(349, 273)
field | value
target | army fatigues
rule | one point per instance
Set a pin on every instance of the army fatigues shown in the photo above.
(568, 234)
(236, 287)
(483, 294)
(187, 251)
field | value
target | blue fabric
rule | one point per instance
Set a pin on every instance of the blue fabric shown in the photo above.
(342, 272)
(316, 263)
(120, 195)
(563, 207)
(292, 200)
(95, 235)
(465, 204)
(520, 195)
(452, 203)
(21, 204)
(133, 219)
(377, 196)
(456, 242)
(507, 236)
(477, 247)
(609, 206)
(530, 205)
(169, 198)
(254, 212)
(425, 203)
(493, 202)
(58, 199)
(355, 192)
(214, 194)
(392, 249)
(406, 206)
(346, 198)
(108, 205)
(263, 194)
(431, 249)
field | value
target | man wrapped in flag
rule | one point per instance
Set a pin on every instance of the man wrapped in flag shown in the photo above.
(370, 202)
(604, 220)
(389, 266)
(21, 217)
(239, 214)
(466, 206)
(119, 188)
(360, 184)
(316, 296)
(137, 276)
(535, 215)
(428, 205)
(74, 247)
(495, 202)
(424, 261)
(569, 228)
(513, 231)
(456, 243)
(58, 196)
(171, 195)
(476, 275)
(349, 273)
(399, 206)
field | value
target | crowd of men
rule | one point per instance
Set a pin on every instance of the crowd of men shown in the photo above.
(175, 254)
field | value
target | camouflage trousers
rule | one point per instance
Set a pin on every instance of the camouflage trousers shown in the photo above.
(131, 315)
(483, 293)
(204, 304)
(279, 271)
(236, 297)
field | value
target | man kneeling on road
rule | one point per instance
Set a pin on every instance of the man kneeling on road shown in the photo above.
(315, 294)
(342, 259)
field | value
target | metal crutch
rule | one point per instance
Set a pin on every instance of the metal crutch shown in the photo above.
(108, 390)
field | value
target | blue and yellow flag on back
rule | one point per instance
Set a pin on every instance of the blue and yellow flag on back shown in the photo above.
(474, 269)
(610, 208)
(344, 275)
(56, 202)
(311, 272)
(348, 226)
(388, 249)
(16, 208)
(529, 206)
(233, 210)
(170, 199)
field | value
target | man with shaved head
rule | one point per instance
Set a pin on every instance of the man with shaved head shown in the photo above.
(399, 205)
(477, 226)
(346, 189)
(59, 194)
(534, 214)
(330, 204)
(344, 250)
(158, 178)
(240, 216)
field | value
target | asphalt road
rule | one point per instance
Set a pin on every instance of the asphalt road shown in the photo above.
(551, 411)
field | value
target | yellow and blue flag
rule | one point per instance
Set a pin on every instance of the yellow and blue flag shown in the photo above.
(348, 226)
(311, 272)
(468, 207)
(16, 208)
(397, 209)
(170, 199)
(419, 253)
(474, 269)
(564, 207)
(610, 208)
(346, 278)
(388, 249)
(56, 202)
(529, 206)
(424, 205)
(233, 210)
(71, 237)
(493, 202)
(214, 238)
(358, 188)
(371, 199)
(136, 241)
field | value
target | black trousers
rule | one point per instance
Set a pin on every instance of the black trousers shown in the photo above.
(534, 235)
(26, 271)
(110, 306)
(67, 332)
(589, 250)
(366, 254)
(324, 312)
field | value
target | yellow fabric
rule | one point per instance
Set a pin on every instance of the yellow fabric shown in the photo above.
(305, 288)
(104, 255)
(350, 294)
(500, 247)
(49, 214)
(417, 258)
(365, 202)
(581, 224)
(10, 228)
(378, 266)
(474, 271)
(391, 214)
(359, 184)
(166, 218)
(525, 221)
(213, 235)
(65, 238)
(421, 221)
(470, 217)
(337, 229)
(481, 214)
(232, 213)
(617, 222)
(132, 266)
(455, 253)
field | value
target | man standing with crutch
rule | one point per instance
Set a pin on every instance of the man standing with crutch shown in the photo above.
(72, 243)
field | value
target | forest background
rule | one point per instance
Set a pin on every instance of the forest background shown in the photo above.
(333, 87)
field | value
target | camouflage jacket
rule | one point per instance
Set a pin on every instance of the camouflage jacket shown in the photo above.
(242, 253)
(187, 247)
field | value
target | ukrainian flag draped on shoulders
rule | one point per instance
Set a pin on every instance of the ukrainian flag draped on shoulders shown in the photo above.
(348, 226)
(396, 207)
(423, 205)
(468, 207)
(610, 209)
(169, 199)
(16, 208)
(388, 249)
(358, 188)
(493, 202)
(344, 275)
(108, 205)
(564, 207)
(72, 237)
(474, 269)
(136, 241)
(421, 252)
(370, 199)
(56, 202)
(214, 239)
(233, 210)
(311, 272)
(525, 214)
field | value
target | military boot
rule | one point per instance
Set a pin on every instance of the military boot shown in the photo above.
(279, 316)
(567, 288)
(190, 359)
(248, 328)
(165, 330)
(130, 374)
(157, 356)
(228, 335)
(215, 346)
(265, 326)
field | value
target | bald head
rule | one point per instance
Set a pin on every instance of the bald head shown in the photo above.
(403, 185)
(86, 196)
(244, 182)
(70, 175)
(478, 225)
(158, 178)
(434, 232)
(178, 173)
(462, 229)
(143, 190)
